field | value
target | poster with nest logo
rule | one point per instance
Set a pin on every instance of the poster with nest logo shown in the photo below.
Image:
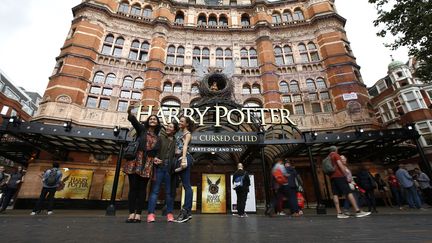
(213, 193)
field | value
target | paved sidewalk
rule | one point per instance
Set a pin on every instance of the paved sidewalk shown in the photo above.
(389, 225)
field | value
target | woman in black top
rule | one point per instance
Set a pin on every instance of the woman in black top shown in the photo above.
(139, 170)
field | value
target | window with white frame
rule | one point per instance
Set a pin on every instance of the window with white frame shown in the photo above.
(413, 100)
(4, 110)
(387, 111)
(10, 94)
(425, 129)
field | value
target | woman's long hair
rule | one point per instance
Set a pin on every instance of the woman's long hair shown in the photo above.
(190, 123)
(158, 126)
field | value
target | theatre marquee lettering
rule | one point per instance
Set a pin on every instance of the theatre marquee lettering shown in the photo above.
(215, 149)
(225, 138)
(233, 116)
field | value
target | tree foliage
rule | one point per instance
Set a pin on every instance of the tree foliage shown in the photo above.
(410, 22)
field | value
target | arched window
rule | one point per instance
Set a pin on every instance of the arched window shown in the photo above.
(99, 77)
(294, 86)
(180, 56)
(167, 87)
(321, 83)
(108, 44)
(179, 18)
(256, 89)
(279, 56)
(212, 20)
(196, 55)
(287, 16)
(145, 48)
(169, 103)
(118, 47)
(133, 53)
(124, 8)
(205, 59)
(228, 58)
(303, 53)
(223, 21)
(310, 84)
(244, 57)
(253, 58)
(313, 52)
(298, 14)
(177, 88)
(148, 12)
(136, 10)
(139, 83)
(195, 89)
(219, 57)
(128, 82)
(110, 79)
(202, 19)
(288, 54)
(283, 87)
(245, 20)
(276, 18)
(170, 55)
(246, 89)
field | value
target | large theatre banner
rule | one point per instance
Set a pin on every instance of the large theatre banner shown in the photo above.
(108, 184)
(213, 193)
(77, 184)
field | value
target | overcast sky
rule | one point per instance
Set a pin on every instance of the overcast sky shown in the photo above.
(33, 31)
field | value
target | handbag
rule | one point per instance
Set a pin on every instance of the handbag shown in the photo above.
(131, 150)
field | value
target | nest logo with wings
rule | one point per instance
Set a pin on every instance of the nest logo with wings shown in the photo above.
(213, 193)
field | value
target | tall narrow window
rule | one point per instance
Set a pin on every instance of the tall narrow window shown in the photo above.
(276, 18)
(127, 82)
(294, 86)
(196, 55)
(303, 53)
(298, 15)
(170, 55)
(205, 57)
(253, 58)
(118, 47)
(244, 57)
(108, 44)
(287, 16)
(202, 19)
(99, 77)
(279, 56)
(124, 8)
(110, 79)
(313, 52)
(256, 89)
(145, 47)
(136, 10)
(179, 18)
(180, 56)
(245, 22)
(246, 89)
(148, 12)
(219, 57)
(228, 58)
(167, 87)
(289, 57)
(223, 21)
(321, 83)
(139, 83)
(212, 20)
(283, 87)
(310, 84)
(133, 54)
(177, 88)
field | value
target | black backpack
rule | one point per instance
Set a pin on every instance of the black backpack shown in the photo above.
(51, 180)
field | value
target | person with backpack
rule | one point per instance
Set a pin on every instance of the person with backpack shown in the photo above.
(292, 189)
(241, 183)
(51, 179)
(339, 183)
(280, 179)
(12, 187)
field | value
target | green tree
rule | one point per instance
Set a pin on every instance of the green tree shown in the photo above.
(410, 22)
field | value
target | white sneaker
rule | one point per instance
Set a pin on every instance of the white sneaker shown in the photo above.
(50, 212)
(362, 214)
(33, 213)
(342, 216)
(281, 213)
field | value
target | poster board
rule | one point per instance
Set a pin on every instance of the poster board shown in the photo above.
(250, 201)
(213, 193)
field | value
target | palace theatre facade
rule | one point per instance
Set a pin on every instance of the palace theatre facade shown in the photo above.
(289, 54)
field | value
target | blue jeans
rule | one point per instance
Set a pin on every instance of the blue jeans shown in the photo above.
(397, 194)
(413, 197)
(185, 178)
(162, 176)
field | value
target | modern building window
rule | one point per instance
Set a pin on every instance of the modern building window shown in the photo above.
(127, 82)
(177, 88)
(327, 107)
(245, 20)
(179, 18)
(110, 79)
(91, 102)
(298, 15)
(108, 44)
(99, 77)
(104, 104)
(122, 106)
(246, 89)
(287, 16)
(299, 109)
(283, 87)
(124, 8)
(320, 83)
(139, 83)
(425, 129)
(148, 12)
(136, 10)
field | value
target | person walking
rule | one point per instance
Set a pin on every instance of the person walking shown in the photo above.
(140, 169)
(425, 185)
(51, 180)
(184, 166)
(280, 179)
(292, 189)
(407, 182)
(12, 187)
(164, 167)
(339, 184)
(241, 183)
(367, 182)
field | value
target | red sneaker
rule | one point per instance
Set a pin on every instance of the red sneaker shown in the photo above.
(170, 217)
(151, 218)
